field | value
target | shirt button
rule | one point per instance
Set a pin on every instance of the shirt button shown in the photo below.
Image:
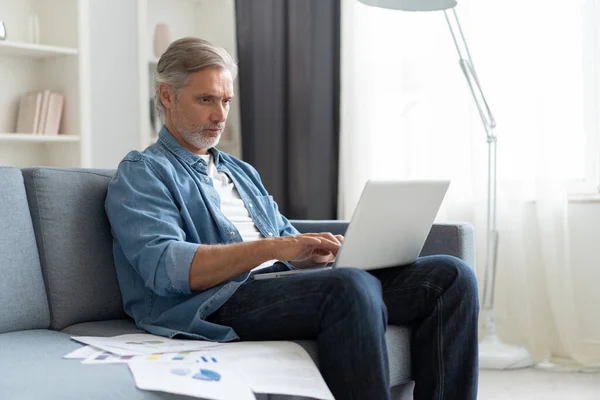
(270, 234)
(206, 179)
(230, 286)
(250, 205)
(232, 233)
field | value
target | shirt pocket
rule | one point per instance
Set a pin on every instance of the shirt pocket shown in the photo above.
(269, 209)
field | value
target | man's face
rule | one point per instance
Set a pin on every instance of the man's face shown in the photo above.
(199, 110)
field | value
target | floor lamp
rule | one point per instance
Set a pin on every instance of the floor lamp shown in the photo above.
(493, 354)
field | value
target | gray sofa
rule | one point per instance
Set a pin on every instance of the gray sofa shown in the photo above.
(58, 279)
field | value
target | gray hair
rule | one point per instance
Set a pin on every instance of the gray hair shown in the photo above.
(185, 56)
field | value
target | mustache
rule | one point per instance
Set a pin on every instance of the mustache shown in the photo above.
(216, 126)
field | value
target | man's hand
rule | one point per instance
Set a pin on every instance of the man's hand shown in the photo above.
(322, 255)
(214, 264)
(307, 248)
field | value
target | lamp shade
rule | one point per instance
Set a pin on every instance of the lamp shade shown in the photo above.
(412, 5)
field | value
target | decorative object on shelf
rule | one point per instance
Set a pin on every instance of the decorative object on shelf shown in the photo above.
(162, 39)
(493, 353)
(2, 31)
(40, 112)
(34, 29)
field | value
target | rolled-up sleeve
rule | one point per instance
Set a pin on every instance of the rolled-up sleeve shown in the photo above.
(147, 226)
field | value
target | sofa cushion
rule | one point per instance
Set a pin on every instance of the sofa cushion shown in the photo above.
(75, 243)
(398, 346)
(33, 368)
(397, 338)
(23, 303)
(113, 327)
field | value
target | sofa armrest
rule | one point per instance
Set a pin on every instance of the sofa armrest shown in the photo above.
(454, 239)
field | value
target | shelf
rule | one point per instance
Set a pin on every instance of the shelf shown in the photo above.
(31, 50)
(37, 138)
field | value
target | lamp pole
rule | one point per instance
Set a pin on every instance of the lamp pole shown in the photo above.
(493, 354)
(489, 124)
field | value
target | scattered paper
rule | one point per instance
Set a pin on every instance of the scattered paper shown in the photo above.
(144, 344)
(82, 352)
(275, 367)
(103, 357)
(281, 368)
(216, 382)
(158, 363)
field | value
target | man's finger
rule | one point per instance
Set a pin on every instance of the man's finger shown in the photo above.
(329, 244)
(309, 240)
(327, 236)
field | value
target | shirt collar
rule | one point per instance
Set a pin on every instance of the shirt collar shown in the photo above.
(168, 140)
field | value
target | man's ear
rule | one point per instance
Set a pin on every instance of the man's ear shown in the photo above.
(167, 95)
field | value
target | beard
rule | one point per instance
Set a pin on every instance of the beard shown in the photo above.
(198, 136)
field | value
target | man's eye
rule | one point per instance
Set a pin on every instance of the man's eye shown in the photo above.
(205, 100)
(227, 102)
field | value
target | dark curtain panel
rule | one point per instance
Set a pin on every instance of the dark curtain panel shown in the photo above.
(289, 60)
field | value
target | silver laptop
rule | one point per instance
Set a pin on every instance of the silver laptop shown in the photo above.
(388, 228)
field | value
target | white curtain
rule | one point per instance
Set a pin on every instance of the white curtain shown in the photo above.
(407, 113)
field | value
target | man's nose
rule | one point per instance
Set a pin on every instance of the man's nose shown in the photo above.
(219, 114)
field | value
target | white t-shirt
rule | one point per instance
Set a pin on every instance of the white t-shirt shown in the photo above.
(233, 207)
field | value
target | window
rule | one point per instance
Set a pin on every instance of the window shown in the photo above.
(586, 173)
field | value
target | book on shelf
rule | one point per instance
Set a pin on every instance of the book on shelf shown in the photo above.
(44, 111)
(40, 112)
(29, 112)
(56, 104)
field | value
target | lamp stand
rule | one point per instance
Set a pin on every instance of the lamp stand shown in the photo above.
(493, 353)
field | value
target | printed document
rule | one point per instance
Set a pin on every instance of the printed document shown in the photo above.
(144, 344)
(275, 367)
(82, 352)
(213, 382)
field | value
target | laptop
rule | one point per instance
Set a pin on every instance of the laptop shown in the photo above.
(388, 228)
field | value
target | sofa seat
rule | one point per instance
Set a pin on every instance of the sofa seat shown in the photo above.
(398, 340)
(36, 356)
(114, 327)
(32, 368)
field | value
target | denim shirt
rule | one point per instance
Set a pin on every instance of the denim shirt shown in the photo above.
(162, 206)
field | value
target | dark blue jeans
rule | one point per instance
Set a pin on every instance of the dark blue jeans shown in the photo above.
(346, 310)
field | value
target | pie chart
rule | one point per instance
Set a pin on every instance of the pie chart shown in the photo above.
(207, 375)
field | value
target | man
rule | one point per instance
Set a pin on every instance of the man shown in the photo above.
(191, 224)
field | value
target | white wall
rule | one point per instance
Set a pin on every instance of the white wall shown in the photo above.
(114, 80)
